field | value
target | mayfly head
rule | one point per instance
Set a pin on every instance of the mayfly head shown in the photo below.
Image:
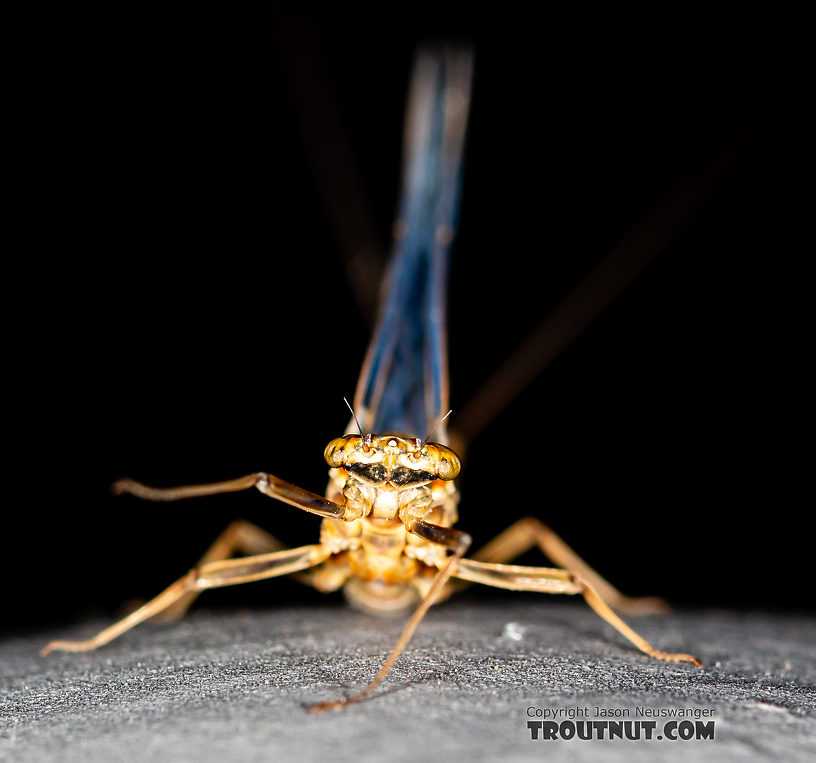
(388, 458)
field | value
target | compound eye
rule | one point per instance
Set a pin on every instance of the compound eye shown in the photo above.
(449, 464)
(335, 453)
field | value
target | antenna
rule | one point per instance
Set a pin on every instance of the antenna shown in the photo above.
(428, 436)
(365, 437)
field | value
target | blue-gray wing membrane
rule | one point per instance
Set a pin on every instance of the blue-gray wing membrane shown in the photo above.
(403, 386)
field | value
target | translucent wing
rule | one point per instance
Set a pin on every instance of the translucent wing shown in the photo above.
(403, 386)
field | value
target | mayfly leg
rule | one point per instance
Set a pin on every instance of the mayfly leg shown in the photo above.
(268, 484)
(529, 533)
(455, 541)
(547, 580)
(214, 575)
(239, 537)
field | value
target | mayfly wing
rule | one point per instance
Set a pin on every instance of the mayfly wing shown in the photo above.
(403, 385)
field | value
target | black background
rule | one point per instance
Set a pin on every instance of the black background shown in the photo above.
(184, 314)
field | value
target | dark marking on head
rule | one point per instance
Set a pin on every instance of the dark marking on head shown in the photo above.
(374, 474)
(401, 476)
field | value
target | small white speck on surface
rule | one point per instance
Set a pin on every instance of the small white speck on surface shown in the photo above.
(513, 631)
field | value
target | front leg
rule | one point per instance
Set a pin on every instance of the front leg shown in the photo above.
(268, 484)
(219, 573)
(457, 543)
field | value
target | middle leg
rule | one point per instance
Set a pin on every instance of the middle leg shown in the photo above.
(547, 580)
(239, 537)
(212, 575)
(529, 533)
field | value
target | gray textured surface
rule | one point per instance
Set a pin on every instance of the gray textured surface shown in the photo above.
(228, 686)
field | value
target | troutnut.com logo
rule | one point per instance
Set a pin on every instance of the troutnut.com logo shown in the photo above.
(638, 723)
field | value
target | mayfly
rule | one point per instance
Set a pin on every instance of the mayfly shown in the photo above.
(387, 537)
